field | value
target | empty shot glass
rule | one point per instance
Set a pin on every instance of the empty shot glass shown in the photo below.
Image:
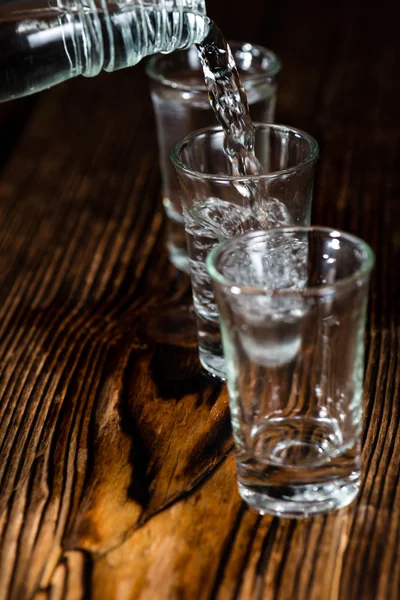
(181, 105)
(293, 309)
(217, 205)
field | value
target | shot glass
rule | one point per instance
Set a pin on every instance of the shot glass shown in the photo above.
(181, 106)
(293, 309)
(217, 205)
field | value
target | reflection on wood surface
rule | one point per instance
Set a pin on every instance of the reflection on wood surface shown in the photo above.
(117, 479)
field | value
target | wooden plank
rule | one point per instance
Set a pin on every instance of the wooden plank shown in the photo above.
(117, 479)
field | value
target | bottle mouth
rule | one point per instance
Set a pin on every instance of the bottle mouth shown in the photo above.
(256, 65)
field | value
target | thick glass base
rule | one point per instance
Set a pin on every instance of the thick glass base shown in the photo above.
(301, 501)
(214, 365)
(210, 347)
(176, 244)
(178, 257)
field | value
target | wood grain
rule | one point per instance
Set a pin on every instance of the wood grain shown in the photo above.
(117, 480)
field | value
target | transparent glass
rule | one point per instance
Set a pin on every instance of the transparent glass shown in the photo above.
(45, 42)
(216, 206)
(293, 309)
(181, 105)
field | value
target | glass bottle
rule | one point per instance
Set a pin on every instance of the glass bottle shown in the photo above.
(45, 42)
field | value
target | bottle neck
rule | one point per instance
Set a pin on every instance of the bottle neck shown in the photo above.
(100, 34)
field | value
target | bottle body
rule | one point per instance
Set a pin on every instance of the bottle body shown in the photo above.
(44, 42)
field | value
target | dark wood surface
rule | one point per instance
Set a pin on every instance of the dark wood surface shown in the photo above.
(117, 479)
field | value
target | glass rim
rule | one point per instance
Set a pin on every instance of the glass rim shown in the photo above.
(271, 71)
(317, 291)
(181, 166)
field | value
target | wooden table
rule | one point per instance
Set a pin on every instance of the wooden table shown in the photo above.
(117, 478)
